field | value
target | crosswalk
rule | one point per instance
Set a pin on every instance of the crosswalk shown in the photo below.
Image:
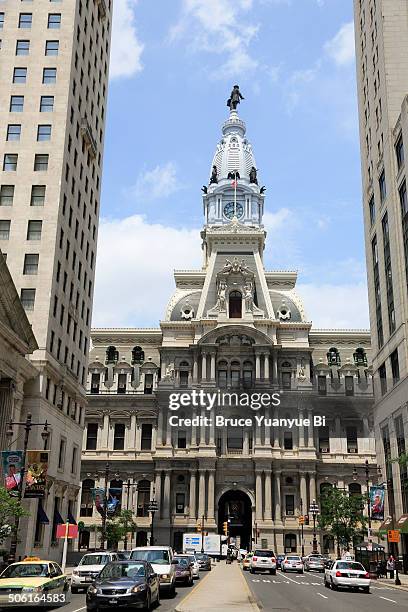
(273, 581)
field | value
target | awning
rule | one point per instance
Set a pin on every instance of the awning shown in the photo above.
(385, 525)
(402, 523)
(71, 519)
(58, 520)
(41, 515)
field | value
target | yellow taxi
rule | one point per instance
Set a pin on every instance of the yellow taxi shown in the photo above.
(246, 562)
(33, 581)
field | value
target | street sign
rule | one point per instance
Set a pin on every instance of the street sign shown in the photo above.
(393, 535)
(153, 507)
(62, 531)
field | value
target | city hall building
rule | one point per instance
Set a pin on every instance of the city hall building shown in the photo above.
(235, 328)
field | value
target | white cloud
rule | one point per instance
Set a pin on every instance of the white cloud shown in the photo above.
(336, 306)
(134, 278)
(219, 26)
(341, 47)
(157, 183)
(126, 47)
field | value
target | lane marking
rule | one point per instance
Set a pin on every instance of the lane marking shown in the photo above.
(265, 580)
(321, 595)
(291, 579)
(386, 599)
(78, 609)
(315, 583)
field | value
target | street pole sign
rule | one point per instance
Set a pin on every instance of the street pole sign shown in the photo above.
(393, 535)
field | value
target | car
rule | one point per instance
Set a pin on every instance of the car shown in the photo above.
(263, 560)
(349, 574)
(196, 565)
(204, 561)
(88, 568)
(184, 570)
(279, 560)
(292, 563)
(33, 576)
(314, 562)
(163, 563)
(123, 555)
(131, 584)
(246, 561)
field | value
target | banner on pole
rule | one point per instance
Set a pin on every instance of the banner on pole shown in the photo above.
(12, 462)
(69, 531)
(98, 496)
(36, 477)
(377, 503)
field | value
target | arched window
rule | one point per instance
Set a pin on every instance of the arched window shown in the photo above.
(354, 489)
(235, 305)
(184, 369)
(248, 372)
(333, 357)
(235, 373)
(143, 497)
(235, 438)
(290, 543)
(360, 357)
(137, 355)
(86, 497)
(222, 374)
(112, 355)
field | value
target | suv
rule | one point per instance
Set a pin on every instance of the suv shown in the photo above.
(88, 568)
(263, 560)
(314, 562)
(162, 560)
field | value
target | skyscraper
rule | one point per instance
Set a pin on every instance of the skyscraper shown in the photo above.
(381, 28)
(54, 61)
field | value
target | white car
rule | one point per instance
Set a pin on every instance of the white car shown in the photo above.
(263, 560)
(196, 566)
(349, 574)
(292, 563)
(88, 568)
(161, 558)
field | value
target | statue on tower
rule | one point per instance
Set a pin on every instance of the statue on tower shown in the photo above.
(235, 98)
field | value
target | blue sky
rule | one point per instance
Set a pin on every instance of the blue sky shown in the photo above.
(172, 67)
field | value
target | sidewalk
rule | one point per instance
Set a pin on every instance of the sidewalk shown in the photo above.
(391, 582)
(224, 588)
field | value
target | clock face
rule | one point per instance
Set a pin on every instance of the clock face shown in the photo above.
(230, 209)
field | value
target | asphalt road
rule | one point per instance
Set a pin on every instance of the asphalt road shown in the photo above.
(76, 603)
(307, 593)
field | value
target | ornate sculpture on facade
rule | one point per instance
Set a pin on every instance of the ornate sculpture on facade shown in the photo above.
(248, 296)
(214, 175)
(187, 311)
(169, 375)
(221, 301)
(302, 372)
(235, 98)
(253, 175)
(204, 189)
(233, 175)
(284, 313)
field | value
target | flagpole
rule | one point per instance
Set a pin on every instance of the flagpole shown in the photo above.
(235, 195)
(64, 550)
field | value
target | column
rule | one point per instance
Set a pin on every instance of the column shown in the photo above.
(312, 486)
(301, 431)
(212, 367)
(310, 430)
(224, 445)
(154, 437)
(268, 495)
(166, 495)
(266, 367)
(132, 433)
(6, 413)
(192, 504)
(201, 494)
(194, 429)
(257, 367)
(258, 492)
(278, 502)
(168, 430)
(204, 366)
(275, 368)
(211, 491)
(158, 493)
(212, 429)
(257, 434)
(303, 493)
(202, 427)
(138, 437)
(246, 442)
(159, 441)
(267, 428)
(105, 432)
(195, 369)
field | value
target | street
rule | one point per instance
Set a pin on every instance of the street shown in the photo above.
(306, 593)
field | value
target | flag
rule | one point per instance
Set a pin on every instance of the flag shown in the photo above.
(234, 183)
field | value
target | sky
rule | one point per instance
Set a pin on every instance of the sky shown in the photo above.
(173, 63)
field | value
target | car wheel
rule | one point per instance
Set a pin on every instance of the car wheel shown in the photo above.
(74, 590)
(147, 605)
(172, 590)
(158, 597)
(334, 586)
(252, 571)
(326, 584)
(366, 589)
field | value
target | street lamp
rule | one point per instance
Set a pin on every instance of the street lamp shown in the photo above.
(153, 507)
(106, 474)
(45, 434)
(367, 479)
(301, 527)
(314, 511)
(128, 486)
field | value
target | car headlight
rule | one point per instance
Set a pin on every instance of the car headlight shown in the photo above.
(75, 572)
(138, 588)
(92, 590)
(164, 576)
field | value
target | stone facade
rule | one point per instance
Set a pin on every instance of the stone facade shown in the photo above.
(231, 327)
(382, 79)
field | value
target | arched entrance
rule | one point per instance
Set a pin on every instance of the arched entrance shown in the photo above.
(235, 506)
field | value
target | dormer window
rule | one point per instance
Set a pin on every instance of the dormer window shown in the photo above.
(138, 355)
(360, 357)
(112, 355)
(333, 357)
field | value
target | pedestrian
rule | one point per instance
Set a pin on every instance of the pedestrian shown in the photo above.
(391, 566)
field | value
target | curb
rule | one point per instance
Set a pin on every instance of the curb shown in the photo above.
(401, 587)
(177, 609)
(251, 595)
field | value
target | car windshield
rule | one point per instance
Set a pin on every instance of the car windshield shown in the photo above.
(25, 570)
(202, 557)
(182, 560)
(158, 557)
(94, 560)
(264, 553)
(350, 565)
(122, 570)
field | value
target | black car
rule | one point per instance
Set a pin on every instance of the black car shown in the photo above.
(184, 570)
(132, 584)
(204, 561)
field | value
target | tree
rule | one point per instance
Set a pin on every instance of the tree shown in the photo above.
(10, 508)
(342, 515)
(118, 528)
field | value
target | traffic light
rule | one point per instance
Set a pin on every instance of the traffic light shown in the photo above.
(198, 526)
(225, 527)
(301, 520)
(306, 517)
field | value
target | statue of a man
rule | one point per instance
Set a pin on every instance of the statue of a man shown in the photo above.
(235, 98)
(253, 175)
(248, 297)
(214, 175)
(221, 302)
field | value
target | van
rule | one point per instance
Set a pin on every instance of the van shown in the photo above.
(162, 560)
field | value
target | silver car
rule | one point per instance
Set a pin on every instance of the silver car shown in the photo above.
(314, 562)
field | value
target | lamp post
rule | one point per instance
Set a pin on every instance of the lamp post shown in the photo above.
(153, 507)
(106, 474)
(301, 527)
(367, 480)
(314, 511)
(128, 485)
(27, 424)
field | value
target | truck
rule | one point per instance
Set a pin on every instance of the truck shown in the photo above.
(215, 545)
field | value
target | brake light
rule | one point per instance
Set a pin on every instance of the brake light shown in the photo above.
(273, 560)
(338, 574)
(366, 575)
(254, 558)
